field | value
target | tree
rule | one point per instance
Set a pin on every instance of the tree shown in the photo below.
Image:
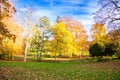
(9, 31)
(35, 41)
(79, 33)
(40, 36)
(63, 41)
(101, 41)
(26, 21)
(114, 36)
(7, 50)
(98, 33)
(45, 33)
(58, 19)
(6, 9)
(6, 12)
(109, 13)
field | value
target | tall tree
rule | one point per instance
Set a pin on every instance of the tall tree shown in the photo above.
(58, 19)
(63, 41)
(44, 35)
(79, 33)
(9, 30)
(26, 20)
(35, 41)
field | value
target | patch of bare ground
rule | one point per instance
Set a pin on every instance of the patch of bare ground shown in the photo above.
(16, 74)
(113, 65)
(5, 73)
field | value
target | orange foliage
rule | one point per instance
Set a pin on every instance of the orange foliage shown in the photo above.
(78, 31)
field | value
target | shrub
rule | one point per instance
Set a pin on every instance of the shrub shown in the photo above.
(99, 51)
(96, 51)
(109, 49)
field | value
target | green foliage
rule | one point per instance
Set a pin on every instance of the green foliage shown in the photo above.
(73, 70)
(96, 50)
(40, 35)
(114, 36)
(99, 51)
(109, 49)
(117, 50)
(44, 23)
(35, 38)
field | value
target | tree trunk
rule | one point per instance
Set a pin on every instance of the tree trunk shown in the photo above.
(40, 58)
(37, 56)
(25, 54)
(81, 54)
(42, 47)
(55, 56)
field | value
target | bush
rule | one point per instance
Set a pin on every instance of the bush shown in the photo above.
(95, 50)
(99, 51)
(117, 49)
(109, 49)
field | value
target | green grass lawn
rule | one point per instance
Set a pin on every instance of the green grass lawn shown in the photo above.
(71, 70)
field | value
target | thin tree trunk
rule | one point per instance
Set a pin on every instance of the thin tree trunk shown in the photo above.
(42, 47)
(55, 56)
(37, 56)
(40, 56)
(25, 54)
(81, 54)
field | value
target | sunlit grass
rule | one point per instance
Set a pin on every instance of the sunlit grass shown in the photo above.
(71, 70)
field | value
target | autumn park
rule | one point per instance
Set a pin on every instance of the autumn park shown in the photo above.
(59, 40)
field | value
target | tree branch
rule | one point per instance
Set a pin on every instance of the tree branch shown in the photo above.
(115, 4)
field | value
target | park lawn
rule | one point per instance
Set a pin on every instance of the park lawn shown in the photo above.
(66, 70)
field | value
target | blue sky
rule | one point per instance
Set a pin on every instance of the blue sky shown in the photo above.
(80, 10)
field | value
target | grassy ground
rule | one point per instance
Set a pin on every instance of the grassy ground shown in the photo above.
(69, 70)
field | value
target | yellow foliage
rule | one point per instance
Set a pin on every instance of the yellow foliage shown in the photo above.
(99, 33)
(63, 41)
(12, 42)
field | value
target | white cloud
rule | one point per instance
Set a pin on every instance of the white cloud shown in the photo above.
(66, 1)
(72, 1)
(84, 19)
(23, 9)
(43, 13)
